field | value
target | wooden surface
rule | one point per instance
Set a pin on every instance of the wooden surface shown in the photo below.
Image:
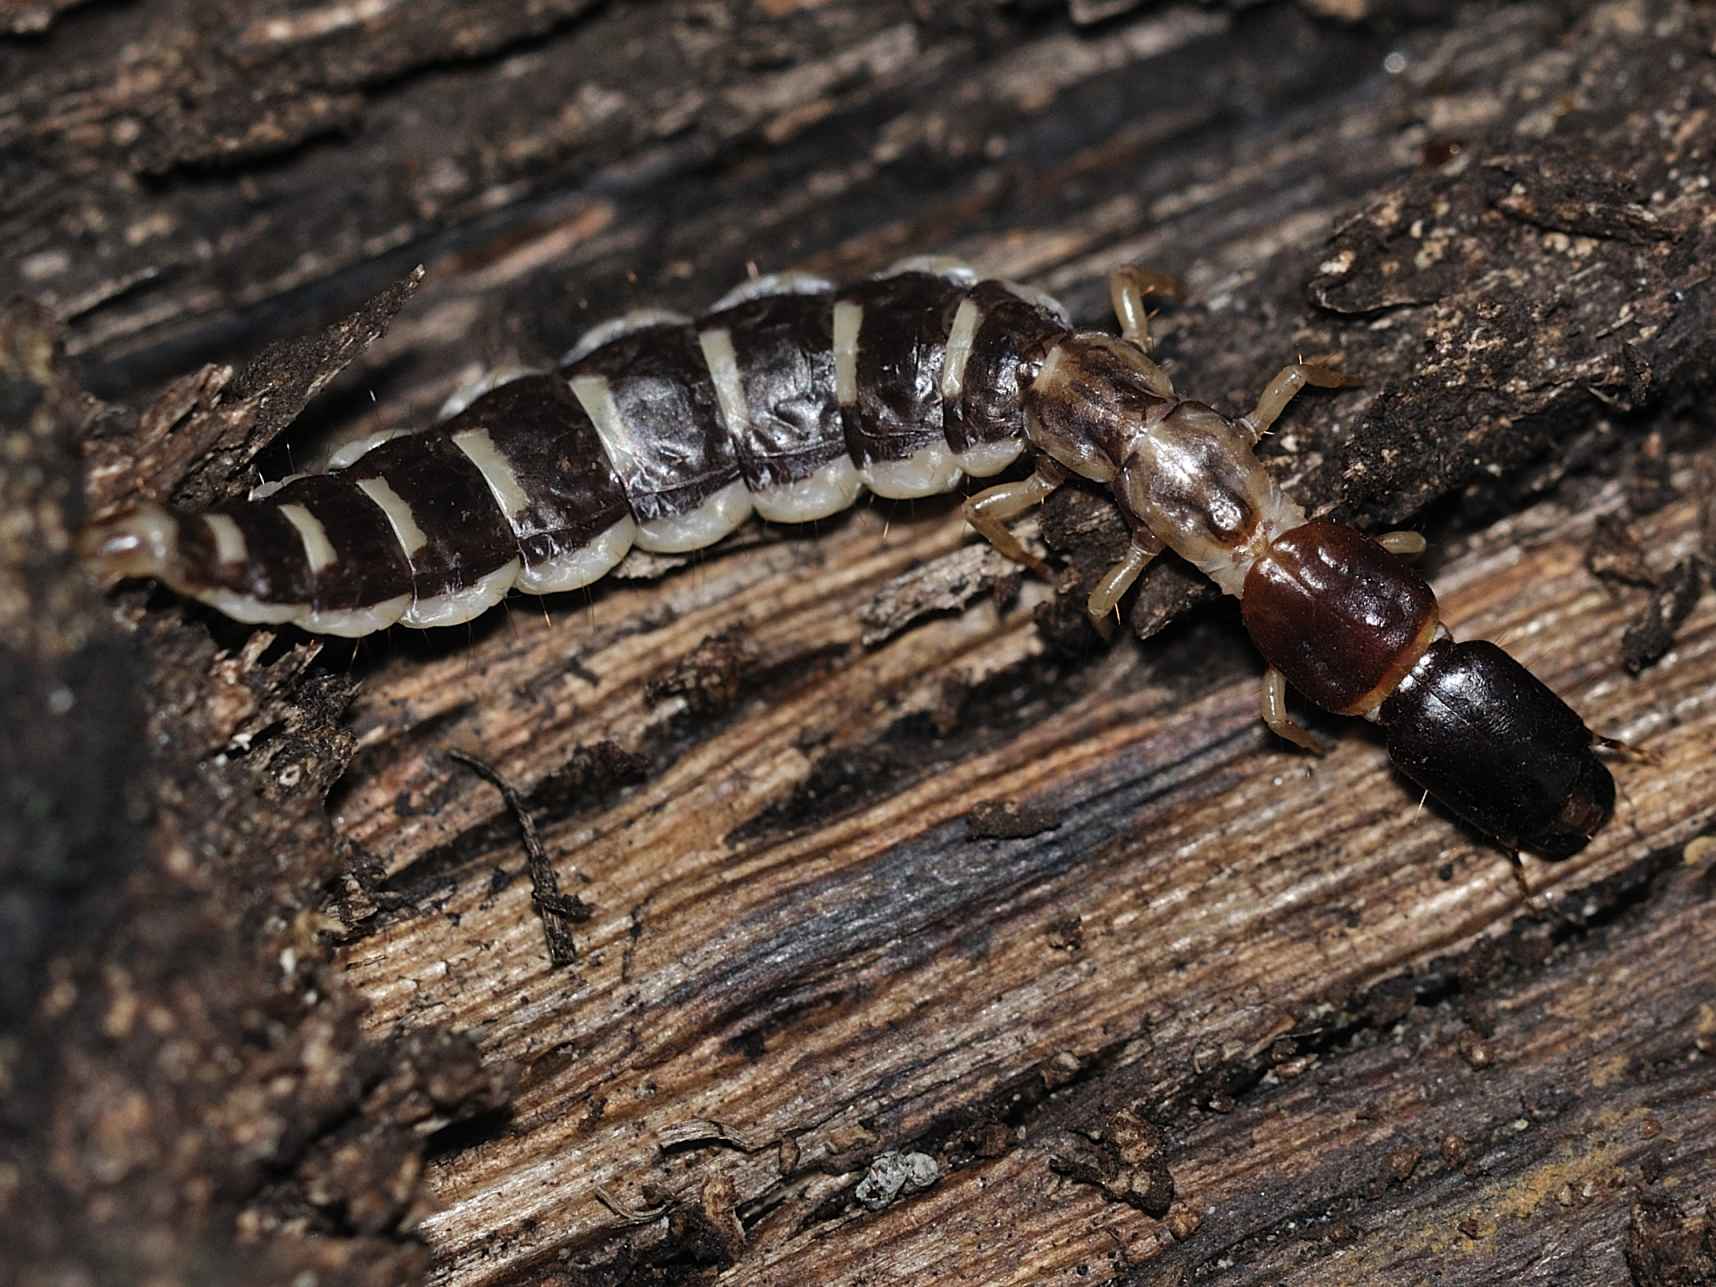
(785, 948)
(883, 854)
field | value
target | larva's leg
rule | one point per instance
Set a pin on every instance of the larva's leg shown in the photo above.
(1119, 579)
(1275, 714)
(1128, 289)
(989, 510)
(1408, 545)
(1279, 392)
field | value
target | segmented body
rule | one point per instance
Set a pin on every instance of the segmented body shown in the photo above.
(787, 400)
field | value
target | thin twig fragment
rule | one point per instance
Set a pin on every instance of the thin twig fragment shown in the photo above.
(559, 911)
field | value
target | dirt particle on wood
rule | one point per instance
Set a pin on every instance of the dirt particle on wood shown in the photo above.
(708, 1231)
(1126, 1157)
(1669, 1246)
(1066, 934)
(1647, 640)
(893, 1176)
(1183, 1221)
(1650, 485)
(1454, 1151)
(1402, 1162)
(1010, 819)
(1616, 555)
(712, 677)
(1474, 1050)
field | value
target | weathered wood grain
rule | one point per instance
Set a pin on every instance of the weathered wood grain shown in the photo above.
(884, 853)
(869, 974)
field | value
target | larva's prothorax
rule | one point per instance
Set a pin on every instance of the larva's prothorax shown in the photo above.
(787, 400)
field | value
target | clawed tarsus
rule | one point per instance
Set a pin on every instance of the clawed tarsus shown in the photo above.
(1282, 724)
(989, 510)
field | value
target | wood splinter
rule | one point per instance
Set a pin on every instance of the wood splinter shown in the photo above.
(559, 911)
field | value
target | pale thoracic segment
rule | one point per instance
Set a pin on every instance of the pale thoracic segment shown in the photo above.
(787, 401)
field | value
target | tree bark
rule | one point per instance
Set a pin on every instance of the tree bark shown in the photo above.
(919, 935)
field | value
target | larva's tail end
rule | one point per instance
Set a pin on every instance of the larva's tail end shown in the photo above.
(140, 541)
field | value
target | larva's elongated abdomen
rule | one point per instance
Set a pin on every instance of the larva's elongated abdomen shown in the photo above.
(787, 400)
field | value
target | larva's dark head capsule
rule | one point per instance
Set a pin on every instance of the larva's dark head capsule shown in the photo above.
(1489, 739)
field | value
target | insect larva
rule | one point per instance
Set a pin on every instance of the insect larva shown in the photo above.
(787, 400)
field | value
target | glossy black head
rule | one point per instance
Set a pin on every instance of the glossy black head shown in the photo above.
(1490, 740)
